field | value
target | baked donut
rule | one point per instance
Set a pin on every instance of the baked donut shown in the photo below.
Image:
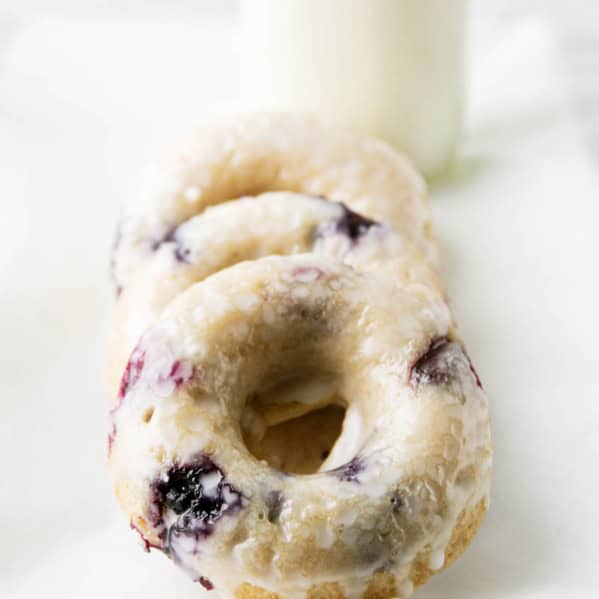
(402, 490)
(249, 228)
(261, 153)
(296, 416)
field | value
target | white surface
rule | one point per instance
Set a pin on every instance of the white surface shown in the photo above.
(83, 105)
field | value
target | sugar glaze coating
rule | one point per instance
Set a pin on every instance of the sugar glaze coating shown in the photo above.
(258, 153)
(293, 414)
(404, 470)
(249, 228)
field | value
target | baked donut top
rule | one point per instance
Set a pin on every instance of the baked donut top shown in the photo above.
(413, 453)
(260, 153)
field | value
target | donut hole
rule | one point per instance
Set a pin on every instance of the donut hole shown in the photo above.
(299, 445)
(294, 423)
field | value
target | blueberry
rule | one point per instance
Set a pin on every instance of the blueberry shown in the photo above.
(177, 373)
(132, 372)
(206, 583)
(180, 252)
(441, 364)
(350, 223)
(349, 472)
(198, 494)
(354, 225)
(164, 381)
(181, 372)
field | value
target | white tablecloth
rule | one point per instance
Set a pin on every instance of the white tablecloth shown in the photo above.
(84, 103)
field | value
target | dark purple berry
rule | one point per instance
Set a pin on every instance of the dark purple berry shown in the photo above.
(354, 225)
(132, 372)
(350, 223)
(180, 252)
(178, 374)
(181, 373)
(349, 472)
(198, 494)
(441, 364)
(206, 583)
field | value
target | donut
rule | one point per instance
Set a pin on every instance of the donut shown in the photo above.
(397, 496)
(246, 229)
(293, 413)
(259, 153)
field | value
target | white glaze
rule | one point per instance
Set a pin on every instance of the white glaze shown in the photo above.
(413, 439)
(247, 229)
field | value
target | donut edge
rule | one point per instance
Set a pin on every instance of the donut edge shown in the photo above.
(382, 585)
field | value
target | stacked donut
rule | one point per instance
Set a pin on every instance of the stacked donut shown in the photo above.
(294, 414)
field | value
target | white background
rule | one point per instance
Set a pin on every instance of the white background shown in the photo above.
(91, 90)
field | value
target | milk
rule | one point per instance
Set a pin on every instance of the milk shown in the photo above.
(390, 68)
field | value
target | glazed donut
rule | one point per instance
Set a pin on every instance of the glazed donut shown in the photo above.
(249, 228)
(405, 485)
(261, 153)
(296, 416)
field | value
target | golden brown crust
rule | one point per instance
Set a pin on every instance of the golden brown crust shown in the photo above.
(249, 591)
(466, 526)
(325, 590)
(382, 585)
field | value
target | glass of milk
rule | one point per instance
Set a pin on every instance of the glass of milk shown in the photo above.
(390, 68)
